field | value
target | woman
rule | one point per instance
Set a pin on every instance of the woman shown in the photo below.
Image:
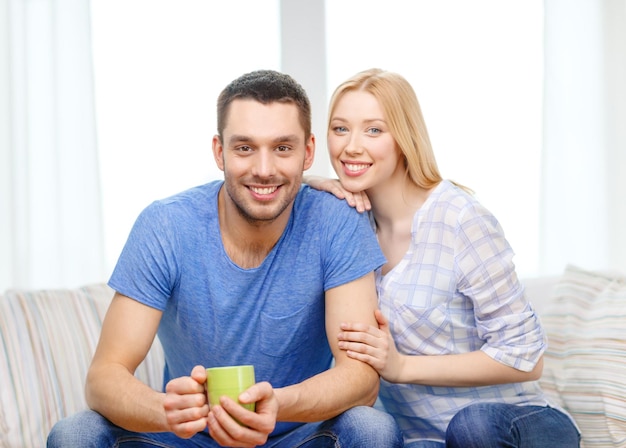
(458, 346)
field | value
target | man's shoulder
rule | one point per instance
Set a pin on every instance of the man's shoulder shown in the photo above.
(322, 202)
(198, 193)
(188, 205)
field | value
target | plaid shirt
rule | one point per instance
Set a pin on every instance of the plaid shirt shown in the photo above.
(456, 291)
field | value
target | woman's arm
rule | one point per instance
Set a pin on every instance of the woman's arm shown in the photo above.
(376, 347)
(349, 383)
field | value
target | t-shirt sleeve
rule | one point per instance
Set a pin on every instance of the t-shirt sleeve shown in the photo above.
(351, 249)
(147, 269)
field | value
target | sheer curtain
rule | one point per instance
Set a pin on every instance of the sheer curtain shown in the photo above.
(584, 150)
(51, 220)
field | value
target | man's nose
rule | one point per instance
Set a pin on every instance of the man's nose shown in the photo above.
(265, 163)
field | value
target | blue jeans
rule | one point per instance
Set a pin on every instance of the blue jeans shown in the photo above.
(499, 425)
(358, 427)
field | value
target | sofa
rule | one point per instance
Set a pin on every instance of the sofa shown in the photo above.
(47, 338)
(584, 315)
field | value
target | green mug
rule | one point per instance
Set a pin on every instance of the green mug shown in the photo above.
(230, 381)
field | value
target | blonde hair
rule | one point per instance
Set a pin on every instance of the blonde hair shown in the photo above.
(404, 118)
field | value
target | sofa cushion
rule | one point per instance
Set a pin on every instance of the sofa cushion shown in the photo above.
(47, 339)
(585, 363)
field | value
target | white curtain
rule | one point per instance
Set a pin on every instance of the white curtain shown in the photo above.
(584, 164)
(51, 223)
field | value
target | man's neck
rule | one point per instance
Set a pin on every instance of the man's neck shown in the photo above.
(248, 243)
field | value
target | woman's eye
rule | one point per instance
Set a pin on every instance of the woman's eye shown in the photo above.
(340, 129)
(374, 131)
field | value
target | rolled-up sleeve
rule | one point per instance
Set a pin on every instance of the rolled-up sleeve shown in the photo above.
(504, 319)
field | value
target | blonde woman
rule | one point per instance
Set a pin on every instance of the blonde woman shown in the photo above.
(458, 346)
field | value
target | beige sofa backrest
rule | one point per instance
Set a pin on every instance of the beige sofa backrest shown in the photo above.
(47, 339)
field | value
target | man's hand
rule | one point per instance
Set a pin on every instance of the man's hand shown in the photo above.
(256, 426)
(185, 404)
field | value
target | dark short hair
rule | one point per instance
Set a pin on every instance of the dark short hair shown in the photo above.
(265, 86)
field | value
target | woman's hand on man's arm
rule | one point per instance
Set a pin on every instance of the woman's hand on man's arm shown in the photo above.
(358, 200)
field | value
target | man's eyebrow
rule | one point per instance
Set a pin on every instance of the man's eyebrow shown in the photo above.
(292, 138)
(240, 138)
(235, 138)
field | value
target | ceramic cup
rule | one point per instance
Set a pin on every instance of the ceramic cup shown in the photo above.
(230, 381)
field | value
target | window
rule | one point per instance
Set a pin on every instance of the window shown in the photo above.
(159, 67)
(477, 69)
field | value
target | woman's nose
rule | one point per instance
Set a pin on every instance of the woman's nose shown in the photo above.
(354, 145)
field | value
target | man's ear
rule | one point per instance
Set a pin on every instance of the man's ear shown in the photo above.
(309, 155)
(218, 152)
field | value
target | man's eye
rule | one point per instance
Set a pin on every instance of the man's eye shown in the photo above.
(244, 148)
(283, 148)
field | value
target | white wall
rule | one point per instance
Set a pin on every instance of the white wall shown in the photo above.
(303, 55)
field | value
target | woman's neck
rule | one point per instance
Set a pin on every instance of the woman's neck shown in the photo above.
(395, 202)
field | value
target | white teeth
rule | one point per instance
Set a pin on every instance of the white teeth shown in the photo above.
(264, 190)
(356, 167)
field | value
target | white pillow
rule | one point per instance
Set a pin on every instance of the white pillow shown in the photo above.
(585, 363)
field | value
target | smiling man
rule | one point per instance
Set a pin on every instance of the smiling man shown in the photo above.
(256, 269)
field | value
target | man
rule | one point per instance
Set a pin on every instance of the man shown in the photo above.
(253, 270)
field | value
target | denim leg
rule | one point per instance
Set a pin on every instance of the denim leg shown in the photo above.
(487, 425)
(88, 429)
(425, 444)
(359, 427)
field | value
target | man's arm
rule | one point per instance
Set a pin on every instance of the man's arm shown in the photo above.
(350, 382)
(128, 330)
(112, 390)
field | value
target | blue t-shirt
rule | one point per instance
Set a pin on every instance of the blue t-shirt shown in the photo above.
(216, 313)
